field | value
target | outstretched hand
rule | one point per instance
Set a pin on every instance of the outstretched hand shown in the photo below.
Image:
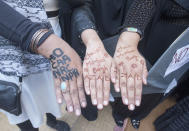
(96, 69)
(67, 72)
(130, 72)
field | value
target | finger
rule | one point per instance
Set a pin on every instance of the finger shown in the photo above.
(106, 88)
(131, 91)
(67, 98)
(86, 80)
(144, 74)
(117, 82)
(123, 84)
(82, 98)
(75, 96)
(138, 89)
(58, 90)
(99, 87)
(113, 72)
(93, 90)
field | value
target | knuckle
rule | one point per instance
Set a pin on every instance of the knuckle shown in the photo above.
(74, 92)
(130, 85)
(80, 88)
(124, 92)
(100, 97)
(123, 84)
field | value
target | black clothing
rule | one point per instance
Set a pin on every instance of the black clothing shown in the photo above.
(65, 13)
(16, 28)
(51, 122)
(168, 22)
(108, 20)
(56, 124)
(27, 126)
(120, 111)
(90, 112)
(109, 17)
(161, 21)
(175, 118)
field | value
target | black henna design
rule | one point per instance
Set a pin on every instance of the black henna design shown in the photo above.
(61, 67)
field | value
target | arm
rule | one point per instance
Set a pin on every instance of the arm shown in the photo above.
(131, 67)
(16, 28)
(83, 17)
(139, 14)
(97, 62)
(66, 64)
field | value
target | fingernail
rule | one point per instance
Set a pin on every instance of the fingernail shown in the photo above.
(88, 92)
(78, 112)
(105, 103)
(126, 101)
(100, 106)
(70, 109)
(59, 100)
(83, 104)
(145, 81)
(137, 103)
(117, 90)
(94, 102)
(131, 107)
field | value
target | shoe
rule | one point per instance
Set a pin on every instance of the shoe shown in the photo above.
(59, 126)
(135, 123)
(118, 128)
(90, 113)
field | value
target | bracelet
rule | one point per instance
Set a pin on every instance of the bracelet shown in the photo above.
(132, 29)
(35, 39)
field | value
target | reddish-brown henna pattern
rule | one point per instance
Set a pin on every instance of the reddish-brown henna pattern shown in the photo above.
(134, 66)
(85, 70)
(121, 64)
(130, 76)
(138, 77)
(123, 75)
(105, 55)
(107, 78)
(100, 77)
(142, 62)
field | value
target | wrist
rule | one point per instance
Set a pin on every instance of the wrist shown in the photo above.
(52, 42)
(130, 38)
(91, 38)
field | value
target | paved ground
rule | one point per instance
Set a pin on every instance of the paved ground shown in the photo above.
(103, 123)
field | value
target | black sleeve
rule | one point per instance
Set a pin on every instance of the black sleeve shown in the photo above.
(140, 14)
(83, 17)
(17, 28)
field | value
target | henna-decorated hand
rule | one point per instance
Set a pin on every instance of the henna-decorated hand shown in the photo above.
(96, 71)
(67, 71)
(130, 72)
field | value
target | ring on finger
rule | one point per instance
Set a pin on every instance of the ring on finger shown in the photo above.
(63, 87)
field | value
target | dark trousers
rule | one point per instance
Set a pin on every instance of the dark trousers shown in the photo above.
(27, 126)
(121, 111)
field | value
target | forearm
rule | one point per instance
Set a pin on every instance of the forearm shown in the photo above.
(83, 17)
(16, 28)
